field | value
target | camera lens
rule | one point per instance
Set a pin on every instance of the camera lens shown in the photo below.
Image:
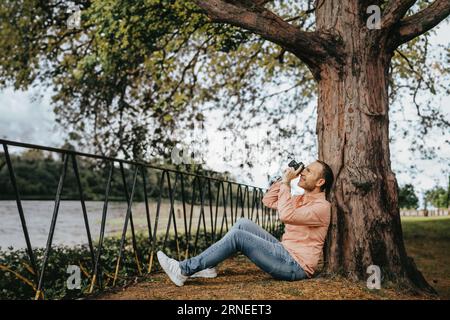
(294, 164)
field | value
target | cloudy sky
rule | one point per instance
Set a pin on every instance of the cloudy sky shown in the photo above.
(25, 119)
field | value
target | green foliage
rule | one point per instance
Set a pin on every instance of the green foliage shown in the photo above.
(407, 198)
(437, 197)
(135, 71)
(138, 74)
(61, 257)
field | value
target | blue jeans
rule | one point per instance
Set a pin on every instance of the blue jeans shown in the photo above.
(257, 244)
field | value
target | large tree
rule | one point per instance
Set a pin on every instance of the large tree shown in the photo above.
(134, 71)
(350, 62)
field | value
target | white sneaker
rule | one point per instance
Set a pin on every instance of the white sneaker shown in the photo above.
(205, 273)
(172, 268)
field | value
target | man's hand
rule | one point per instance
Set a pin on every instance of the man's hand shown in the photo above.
(289, 174)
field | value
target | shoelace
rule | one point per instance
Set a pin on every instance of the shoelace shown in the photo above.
(173, 265)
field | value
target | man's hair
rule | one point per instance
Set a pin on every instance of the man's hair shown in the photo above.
(327, 174)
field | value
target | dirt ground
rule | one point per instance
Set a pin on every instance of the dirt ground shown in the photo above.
(238, 278)
(427, 241)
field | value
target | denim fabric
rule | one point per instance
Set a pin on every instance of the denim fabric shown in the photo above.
(257, 244)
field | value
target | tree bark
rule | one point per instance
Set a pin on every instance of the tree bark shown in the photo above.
(353, 138)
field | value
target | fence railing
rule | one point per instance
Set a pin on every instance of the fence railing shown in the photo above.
(234, 199)
(425, 213)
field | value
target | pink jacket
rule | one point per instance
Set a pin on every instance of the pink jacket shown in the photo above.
(306, 218)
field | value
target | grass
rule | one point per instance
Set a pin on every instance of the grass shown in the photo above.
(427, 241)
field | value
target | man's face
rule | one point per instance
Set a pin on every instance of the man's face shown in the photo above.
(310, 176)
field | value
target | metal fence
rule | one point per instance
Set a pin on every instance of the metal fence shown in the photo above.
(236, 200)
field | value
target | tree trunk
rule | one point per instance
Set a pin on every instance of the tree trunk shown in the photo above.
(353, 138)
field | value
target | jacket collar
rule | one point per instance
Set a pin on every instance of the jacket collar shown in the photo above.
(310, 197)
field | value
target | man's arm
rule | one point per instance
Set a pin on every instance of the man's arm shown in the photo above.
(270, 199)
(313, 216)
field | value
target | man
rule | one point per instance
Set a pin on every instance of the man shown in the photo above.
(306, 218)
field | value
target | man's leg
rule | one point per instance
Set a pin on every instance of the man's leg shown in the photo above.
(269, 256)
(254, 228)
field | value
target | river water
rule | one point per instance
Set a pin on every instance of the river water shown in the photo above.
(70, 228)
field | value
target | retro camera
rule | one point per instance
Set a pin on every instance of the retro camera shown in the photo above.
(293, 164)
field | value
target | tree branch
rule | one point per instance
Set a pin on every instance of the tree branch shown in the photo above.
(419, 23)
(395, 11)
(311, 47)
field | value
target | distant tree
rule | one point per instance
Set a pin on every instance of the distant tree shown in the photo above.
(407, 198)
(33, 154)
(437, 197)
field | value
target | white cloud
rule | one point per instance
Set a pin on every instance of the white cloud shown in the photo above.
(26, 117)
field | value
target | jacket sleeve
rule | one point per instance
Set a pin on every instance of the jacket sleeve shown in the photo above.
(314, 216)
(270, 199)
